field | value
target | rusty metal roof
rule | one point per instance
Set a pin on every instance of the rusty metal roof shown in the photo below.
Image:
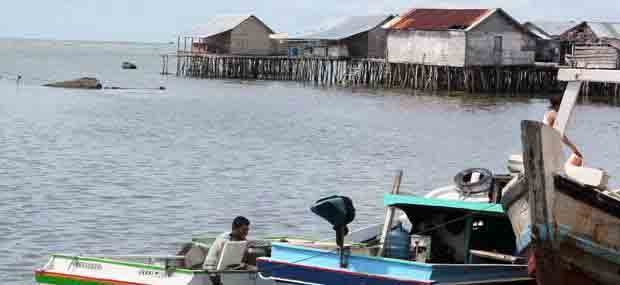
(439, 19)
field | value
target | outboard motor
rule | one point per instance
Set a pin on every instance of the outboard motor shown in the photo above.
(339, 212)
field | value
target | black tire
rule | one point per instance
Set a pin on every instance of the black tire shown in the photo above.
(485, 184)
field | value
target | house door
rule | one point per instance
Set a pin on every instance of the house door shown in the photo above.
(498, 49)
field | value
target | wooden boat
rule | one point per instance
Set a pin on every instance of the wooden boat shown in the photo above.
(77, 270)
(565, 216)
(129, 65)
(186, 267)
(80, 83)
(457, 242)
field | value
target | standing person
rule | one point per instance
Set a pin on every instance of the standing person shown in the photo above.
(549, 118)
(239, 232)
(554, 107)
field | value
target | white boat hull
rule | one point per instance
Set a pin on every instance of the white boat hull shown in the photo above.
(75, 270)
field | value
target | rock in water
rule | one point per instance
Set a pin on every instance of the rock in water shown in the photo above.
(129, 65)
(80, 83)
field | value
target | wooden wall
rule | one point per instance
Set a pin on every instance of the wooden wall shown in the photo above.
(594, 56)
(377, 42)
(580, 35)
(548, 51)
(445, 48)
(518, 47)
(219, 43)
(251, 38)
(357, 45)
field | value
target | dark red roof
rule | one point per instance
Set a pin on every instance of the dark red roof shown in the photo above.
(439, 19)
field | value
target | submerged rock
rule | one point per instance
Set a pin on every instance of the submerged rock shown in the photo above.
(80, 83)
(129, 65)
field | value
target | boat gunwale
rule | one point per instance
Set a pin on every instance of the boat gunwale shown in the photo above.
(514, 194)
(587, 194)
(419, 264)
(387, 277)
(135, 264)
(348, 272)
(563, 235)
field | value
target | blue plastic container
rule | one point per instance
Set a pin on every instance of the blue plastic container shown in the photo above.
(398, 243)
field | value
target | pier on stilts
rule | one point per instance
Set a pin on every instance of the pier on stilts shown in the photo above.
(376, 73)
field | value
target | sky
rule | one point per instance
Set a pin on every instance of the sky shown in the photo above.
(162, 20)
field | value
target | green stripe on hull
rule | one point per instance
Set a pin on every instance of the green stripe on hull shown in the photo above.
(51, 280)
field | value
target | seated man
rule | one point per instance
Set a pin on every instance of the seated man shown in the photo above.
(239, 232)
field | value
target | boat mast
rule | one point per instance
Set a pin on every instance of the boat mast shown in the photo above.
(575, 78)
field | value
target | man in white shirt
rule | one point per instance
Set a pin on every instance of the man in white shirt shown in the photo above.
(239, 232)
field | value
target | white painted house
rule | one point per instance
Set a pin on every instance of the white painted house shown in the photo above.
(459, 37)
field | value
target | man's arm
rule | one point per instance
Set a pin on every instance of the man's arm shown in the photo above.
(213, 256)
(572, 146)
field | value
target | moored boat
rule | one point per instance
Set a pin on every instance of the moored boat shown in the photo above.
(129, 65)
(450, 242)
(565, 216)
(77, 270)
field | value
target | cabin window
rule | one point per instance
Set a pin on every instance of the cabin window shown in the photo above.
(477, 225)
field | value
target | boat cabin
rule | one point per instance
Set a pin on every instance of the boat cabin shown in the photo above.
(450, 241)
(456, 231)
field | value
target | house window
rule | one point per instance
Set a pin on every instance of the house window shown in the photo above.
(497, 47)
(498, 50)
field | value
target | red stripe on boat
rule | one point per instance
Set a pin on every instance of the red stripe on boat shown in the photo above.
(83, 278)
(348, 272)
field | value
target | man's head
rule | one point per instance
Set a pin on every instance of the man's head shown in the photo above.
(240, 228)
(555, 101)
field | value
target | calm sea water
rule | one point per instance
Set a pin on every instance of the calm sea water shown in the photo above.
(137, 172)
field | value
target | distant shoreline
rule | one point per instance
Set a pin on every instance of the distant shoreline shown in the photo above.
(82, 41)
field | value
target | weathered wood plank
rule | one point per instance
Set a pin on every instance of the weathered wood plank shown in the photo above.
(389, 215)
(568, 105)
(542, 156)
(591, 75)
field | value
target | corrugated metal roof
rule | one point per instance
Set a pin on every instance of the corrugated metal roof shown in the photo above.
(439, 19)
(554, 29)
(614, 43)
(347, 27)
(605, 29)
(218, 25)
(537, 31)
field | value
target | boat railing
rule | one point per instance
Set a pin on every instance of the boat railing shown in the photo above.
(148, 259)
(138, 256)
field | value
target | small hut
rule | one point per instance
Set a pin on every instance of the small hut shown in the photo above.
(232, 34)
(594, 45)
(549, 46)
(460, 37)
(355, 36)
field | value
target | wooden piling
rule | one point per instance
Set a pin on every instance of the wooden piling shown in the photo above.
(373, 73)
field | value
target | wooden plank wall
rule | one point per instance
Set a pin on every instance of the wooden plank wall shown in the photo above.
(595, 57)
(373, 73)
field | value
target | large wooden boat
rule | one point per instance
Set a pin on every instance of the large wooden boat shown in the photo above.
(565, 217)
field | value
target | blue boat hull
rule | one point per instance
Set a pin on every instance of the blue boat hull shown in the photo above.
(326, 276)
(322, 267)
